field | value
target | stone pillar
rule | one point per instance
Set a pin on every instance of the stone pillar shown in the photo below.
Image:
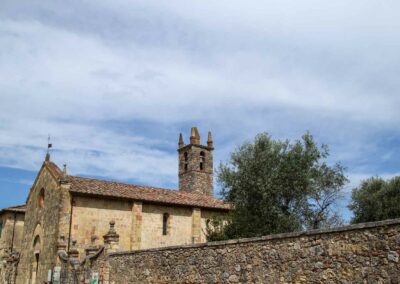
(136, 233)
(196, 225)
(61, 247)
(65, 211)
(111, 239)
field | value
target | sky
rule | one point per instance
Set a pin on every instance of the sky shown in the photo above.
(115, 82)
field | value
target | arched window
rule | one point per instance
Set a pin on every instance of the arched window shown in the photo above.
(185, 155)
(165, 224)
(41, 198)
(36, 244)
(202, 160)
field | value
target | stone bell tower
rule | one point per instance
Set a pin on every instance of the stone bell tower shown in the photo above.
(196, 164)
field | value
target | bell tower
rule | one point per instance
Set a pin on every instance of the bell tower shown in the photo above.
(196, 164)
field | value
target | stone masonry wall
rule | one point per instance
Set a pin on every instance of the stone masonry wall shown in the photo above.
(42, 222)
(194, 179)
(7, 238)
(363, 253)
(179, 226)
(91, 217)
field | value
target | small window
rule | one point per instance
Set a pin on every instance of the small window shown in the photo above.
(165, 224)
(186, 161)
(36, 243)
(41, 198)
(202, 160)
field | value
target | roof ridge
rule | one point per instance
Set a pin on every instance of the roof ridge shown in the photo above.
(18, 208)
(124, 190)
(121, 182)
(137, 185)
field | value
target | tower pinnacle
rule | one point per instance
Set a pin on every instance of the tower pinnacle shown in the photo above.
(210, 143)
(181, 143)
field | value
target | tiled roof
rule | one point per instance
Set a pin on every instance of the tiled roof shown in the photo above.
(112, 189)
(17, 208)
(54, 169)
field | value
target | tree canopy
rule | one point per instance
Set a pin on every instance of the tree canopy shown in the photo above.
(278, 186)
(376, 199)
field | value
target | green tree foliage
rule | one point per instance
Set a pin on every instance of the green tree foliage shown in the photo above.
(277, 186)
(376, 199)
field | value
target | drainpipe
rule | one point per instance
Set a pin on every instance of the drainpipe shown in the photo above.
(70, 223)
(13, 233)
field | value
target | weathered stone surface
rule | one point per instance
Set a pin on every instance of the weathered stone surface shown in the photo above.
(363, 253)
(196, 166)
(42, 226)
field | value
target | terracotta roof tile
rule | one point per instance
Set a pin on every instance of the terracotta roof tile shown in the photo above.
(17, 208)
(88, 186)
(54, 169)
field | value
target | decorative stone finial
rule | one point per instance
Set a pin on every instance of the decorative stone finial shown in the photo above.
(210, 143)
(112, 227)
(194, 136)
(111, 239)
(64, 174)
(47, 158)
(61, 245)
(73, 251)
(181, 143)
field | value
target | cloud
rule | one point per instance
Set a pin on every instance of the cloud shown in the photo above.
(115, 82)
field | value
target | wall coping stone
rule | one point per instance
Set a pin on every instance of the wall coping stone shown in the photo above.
(354, 227)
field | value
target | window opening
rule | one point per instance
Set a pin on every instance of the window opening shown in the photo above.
(186, 161)
(41, 198)
(202, 160)
(165, 224)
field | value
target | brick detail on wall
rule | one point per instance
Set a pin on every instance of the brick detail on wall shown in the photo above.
(196, 225)
(137, 218)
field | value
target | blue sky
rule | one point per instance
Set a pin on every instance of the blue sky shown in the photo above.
(114, 82)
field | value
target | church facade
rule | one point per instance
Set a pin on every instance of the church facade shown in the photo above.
(78, 211)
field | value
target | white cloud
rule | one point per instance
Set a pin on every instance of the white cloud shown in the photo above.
(99, 77)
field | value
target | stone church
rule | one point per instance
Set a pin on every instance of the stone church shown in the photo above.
(78, 211)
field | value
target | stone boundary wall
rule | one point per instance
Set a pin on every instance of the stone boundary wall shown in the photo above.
(362, 253)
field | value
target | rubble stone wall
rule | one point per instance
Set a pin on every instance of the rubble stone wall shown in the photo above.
(363, 253)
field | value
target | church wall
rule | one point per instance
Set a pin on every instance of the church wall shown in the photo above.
(6, 240)
(179, 226)
(207, 215)
(19, 231)
(92, 216)
(7, 221)
(44, 223)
